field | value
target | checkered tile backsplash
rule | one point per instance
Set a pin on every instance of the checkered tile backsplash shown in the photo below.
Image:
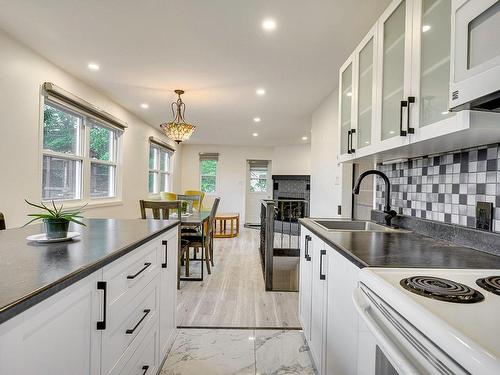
(445, 187)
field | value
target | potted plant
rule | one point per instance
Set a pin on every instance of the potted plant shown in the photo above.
(56, 219)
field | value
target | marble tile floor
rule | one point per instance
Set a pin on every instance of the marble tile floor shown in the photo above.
(238, 351)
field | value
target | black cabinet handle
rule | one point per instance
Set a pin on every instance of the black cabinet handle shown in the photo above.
(146, 265)
(352, 132)
(321, 275)
(348, 141)
(145, 369)
(130, 331)
(306, 252)
(411, 100)
(101, 285)
(404, 104)
(164, 265)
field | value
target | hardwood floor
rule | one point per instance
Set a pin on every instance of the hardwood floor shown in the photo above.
(233, 295)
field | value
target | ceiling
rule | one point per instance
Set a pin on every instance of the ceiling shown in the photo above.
(216, 50)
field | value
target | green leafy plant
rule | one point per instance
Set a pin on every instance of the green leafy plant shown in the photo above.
(56, 213)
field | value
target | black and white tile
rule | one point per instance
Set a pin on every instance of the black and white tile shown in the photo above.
(445, 187)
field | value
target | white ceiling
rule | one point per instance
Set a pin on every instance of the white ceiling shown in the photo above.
(215, 50)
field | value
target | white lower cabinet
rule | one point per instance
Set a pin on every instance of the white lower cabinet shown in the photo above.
(56, 336)
(327, 313)
(118, 320)
(305, 283)
(168, 292)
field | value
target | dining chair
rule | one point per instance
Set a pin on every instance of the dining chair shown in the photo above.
(165, 195)
(161, 209)
(193, 200)
(2, 221)
(196, 192)
(204, 242)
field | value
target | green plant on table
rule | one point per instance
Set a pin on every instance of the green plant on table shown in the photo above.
(56, 219)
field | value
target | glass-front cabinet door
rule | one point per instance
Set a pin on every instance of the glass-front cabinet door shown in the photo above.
(365, 93)
(345, 105)
(395, 70)
(431, 67)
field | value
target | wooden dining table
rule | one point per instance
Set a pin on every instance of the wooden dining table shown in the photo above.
(198, 219)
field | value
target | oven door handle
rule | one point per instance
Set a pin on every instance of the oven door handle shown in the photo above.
(398, 359)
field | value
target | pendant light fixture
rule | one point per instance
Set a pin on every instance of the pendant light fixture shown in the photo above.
(178, 130)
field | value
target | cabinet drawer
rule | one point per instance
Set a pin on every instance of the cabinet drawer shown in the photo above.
(129, 326)
(145, 359)
(129, 275)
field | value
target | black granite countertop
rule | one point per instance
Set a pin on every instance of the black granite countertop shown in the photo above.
(402, 250)
(30, 272)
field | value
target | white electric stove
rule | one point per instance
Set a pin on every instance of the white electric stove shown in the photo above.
(428, 321)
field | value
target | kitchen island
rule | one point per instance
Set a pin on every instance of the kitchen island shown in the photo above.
(103, 303)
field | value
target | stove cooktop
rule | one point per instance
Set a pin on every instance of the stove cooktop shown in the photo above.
(490, 283)
(441, 289)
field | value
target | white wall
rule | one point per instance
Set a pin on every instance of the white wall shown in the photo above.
(231, 173)
(327, 175)
(22, 72)
(293, 159)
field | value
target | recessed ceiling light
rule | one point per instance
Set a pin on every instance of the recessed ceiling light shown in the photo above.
(349, 94)
(426, 28)
(145, 105)
(269, 24)
(255, 134)
(256, 119)
(260, 92)
(93, 66)
(304, 138)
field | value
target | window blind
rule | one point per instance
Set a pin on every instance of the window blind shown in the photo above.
(209, 156)
(56, 93)
(161, 144)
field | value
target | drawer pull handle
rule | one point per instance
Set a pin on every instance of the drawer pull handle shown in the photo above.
(146, 265)
(164, 265)
(404, 104)
(353, 131)
(411, 100)
(145, 369)
(101, 285)
(130, 331)
(306, 251)
(321, 275)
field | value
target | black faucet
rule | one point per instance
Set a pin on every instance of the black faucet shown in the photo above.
(390, 213)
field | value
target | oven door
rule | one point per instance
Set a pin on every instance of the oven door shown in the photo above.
(390, 345)
(475, 54)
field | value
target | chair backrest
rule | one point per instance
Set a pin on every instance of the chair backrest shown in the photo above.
(158, 207)
(193, 200)
(196, 192)
(211, 218)
(165, 195)
(2, 221)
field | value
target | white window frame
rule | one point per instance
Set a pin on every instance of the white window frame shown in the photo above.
(250, 179)
(83, 156)
(158, 171)
(216, 175)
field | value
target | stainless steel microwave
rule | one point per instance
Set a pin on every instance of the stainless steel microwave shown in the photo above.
(475, 55)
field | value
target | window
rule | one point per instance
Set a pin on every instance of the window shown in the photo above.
(159, 168)
(258, 176)
(208, 172)
(79, 154)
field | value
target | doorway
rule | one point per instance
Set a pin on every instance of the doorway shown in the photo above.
(258, 187)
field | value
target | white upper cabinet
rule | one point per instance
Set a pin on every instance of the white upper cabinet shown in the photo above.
(394, 73)
(394, 89)
(345, 105)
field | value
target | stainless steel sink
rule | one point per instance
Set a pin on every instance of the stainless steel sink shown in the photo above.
(353, 226)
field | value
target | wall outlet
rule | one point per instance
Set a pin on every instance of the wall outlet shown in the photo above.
(484, 216)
